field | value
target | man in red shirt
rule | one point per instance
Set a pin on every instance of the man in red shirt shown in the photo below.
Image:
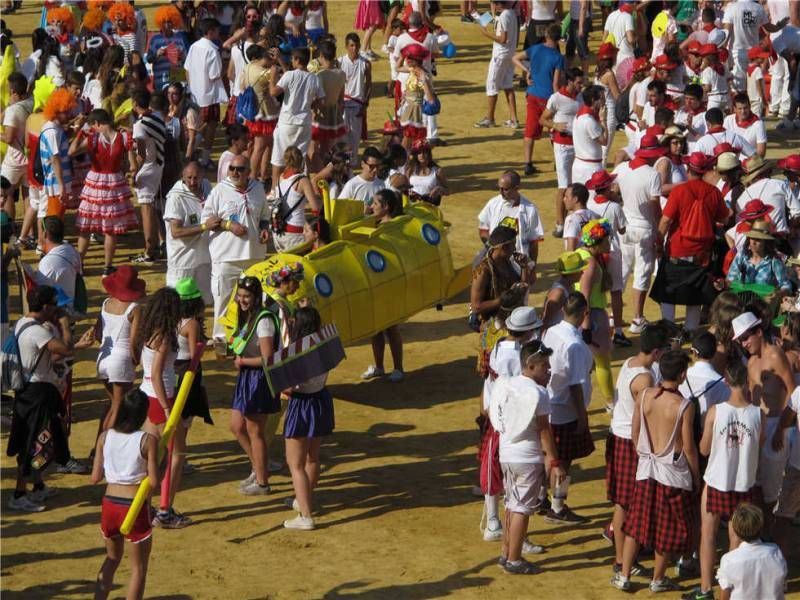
(688, 224)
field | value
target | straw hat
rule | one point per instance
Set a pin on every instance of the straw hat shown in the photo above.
(759, 230)
(727, 161)
(754, 166)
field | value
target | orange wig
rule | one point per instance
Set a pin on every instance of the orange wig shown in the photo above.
(122, 11)
(168, 14)
(99, 4)
(61, 14)
(59, 101)
(93, 19)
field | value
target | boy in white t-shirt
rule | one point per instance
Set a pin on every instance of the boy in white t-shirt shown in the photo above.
(522, 450)
(238, 143)
(756, 88)
(501, 70)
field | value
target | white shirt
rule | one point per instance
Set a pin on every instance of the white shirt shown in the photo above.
(756, 133)
(709, 141)
(718, 87)
(697, 122)
(355, 71)
(248, 208)
(16, 116)
(239, 65)
(31, 343)
(564, 109)
(60, 266)
(574, 222)
(745, 16)
(585, 130)
(777, 194)
(528, 447)
(300, 89)
(754, 570)
(733, 461)
(615, 215)
(570, 364)
(529, 226)
(543, 10)
(186, 208)
(358, 188)
(787, 39)
(638, 187)
(506, 21)
(504, 361)
(704, 383)
(618, 24)
(203, 67)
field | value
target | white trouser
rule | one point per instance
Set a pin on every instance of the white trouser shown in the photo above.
(431, 125)
(739, 72)
(224, 276)
(582, 170)
(779, 98)
(564, 155)
(354, 124)
(692, 315)
(638, 257)
(201, 275)
(611, 126)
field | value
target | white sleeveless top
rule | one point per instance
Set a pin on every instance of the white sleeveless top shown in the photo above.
(664, 467)
(184, 352)
(733, 460)
(314, 19)
(167, 375)
(678, 175)
(116, 332)
(423, 184)
(294, 200)
(624, 403)
(122, 457)
(610, 102)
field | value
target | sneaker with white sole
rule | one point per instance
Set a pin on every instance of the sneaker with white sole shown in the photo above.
(493, 531)
(621, 583)
(396, 375)
(520, 567)
(511, 124)
(663, 585)
(72, 466)
(248, 480)
(39, 496)
(637, 325)
(300, 522)
(24, 504)
(292, 503)
(254, 489)
(529, 548)
(485, 123)
(372, 372)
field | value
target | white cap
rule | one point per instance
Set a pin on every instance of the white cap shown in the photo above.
(744, 323)
(523, 318)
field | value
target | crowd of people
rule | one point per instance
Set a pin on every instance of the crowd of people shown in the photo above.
(118, 127)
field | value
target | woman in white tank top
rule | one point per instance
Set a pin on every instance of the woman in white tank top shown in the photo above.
(670, 166)
(606, 79)
(427, 179)
(294, 190)
(125, 455)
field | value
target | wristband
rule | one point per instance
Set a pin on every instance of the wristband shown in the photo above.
(227, 225)
(202, 226)
(555, 463)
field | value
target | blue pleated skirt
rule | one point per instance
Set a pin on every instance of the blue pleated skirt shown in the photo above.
(251, 394)
(309, 415)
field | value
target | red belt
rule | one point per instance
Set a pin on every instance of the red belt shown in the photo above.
(590, 160)
(293, 229)
(559, 137)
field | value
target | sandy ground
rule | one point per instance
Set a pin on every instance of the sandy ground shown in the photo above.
(396, 517)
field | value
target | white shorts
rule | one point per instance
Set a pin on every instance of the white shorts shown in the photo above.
(522, 482)
(147, 183)
(286, 136)
(639, 257)
(583, 170)
(116, 368)
(34, 194)
(564, 155)
(17, 175)
(500, 76)
(615, 270)
(201, 275)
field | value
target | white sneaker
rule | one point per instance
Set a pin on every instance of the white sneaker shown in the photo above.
(475, 15)
(299, 522)
(292, 503)
(372, 372)
(637, 325)
(528, 548)
(493, 531)
(395, 376)
(254, 489)
(39, 496)
(24, 504)
(250, 479)
(72, 466)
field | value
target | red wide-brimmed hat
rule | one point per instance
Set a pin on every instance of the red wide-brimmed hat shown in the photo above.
(790, 163)
(754, 209)
(600, 180)
(708, 49)
(650, 147)
(391, 127)
(641, 64)
(415, 51)
(723, 147)
(698, 162)
(664, 62)
(757, 52)
(606, 50)
(124, 284)
(694, 47)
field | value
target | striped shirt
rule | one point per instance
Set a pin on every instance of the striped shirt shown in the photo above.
(129, 42)
(54, 145)
(152, 127)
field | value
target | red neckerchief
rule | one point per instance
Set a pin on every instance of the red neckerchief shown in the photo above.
(418, 35)
(709, 27)
(752, 67)
(626, 8)
(564, 92)
(600, 199)
(585, 110)
(670, 104)
(694, 113)
(717, 129)
(288, 172)
(689, 67)
(62, 38)
(637, 162)
(296, 11)
(745, 124)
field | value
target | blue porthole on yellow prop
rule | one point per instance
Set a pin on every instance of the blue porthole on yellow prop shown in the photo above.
(431, 235)
(376, 261)
(323, 285)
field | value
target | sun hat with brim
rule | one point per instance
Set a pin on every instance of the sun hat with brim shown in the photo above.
(757, 52)
(698, 162)
(523, 318)
(641, 64)
(391, 127)
(790, 163)
(693, 47)
(600, 180)
(793, 261)
(124, 284)
(650, 147)
(755, 165)
(709, 50)
(754, 209)
(571, 262)
(415, 51)
(187, 289)
(663, 61)
(727, 161)
(759, 231)
(606, 50)
(744, 323)
(724, 147)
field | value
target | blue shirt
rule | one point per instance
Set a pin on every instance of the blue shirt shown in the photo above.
(161, 65)
(54, 146)
(545, 61)
(770, 271)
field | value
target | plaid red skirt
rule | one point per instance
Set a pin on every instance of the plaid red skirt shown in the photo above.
(724, 503)
(662, 517)
(230, 111)
(261, 127)
(491, 477)
(621, 462)
(569, 445)
(209, 114)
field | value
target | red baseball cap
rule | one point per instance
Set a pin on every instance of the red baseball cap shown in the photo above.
(708, 49)
(600, 180)
(790, 163)
(664, 62)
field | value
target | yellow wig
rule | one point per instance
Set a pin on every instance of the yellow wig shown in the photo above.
(123, 11)
(61, 14)
(93, 19)
(59, 101)
(168, 13)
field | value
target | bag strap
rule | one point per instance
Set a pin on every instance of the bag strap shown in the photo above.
(38, 358)
(262, 315)
(707, 388)
(283, 196)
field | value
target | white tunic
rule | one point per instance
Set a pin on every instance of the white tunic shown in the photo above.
(624, 402)
(733, 460)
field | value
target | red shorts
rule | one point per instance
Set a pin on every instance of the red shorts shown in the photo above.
(155, 411)
(533, 113)
(113, 514)
(261, 127)
(209, 114)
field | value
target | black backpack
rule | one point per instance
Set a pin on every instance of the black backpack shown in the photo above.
(38, 168)
(622, 107)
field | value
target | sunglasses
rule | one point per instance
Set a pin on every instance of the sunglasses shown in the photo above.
(373, 165)
(237, 169)
(748, 334)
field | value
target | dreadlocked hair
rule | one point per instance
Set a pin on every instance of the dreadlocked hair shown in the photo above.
(790, 331)
(160, 318)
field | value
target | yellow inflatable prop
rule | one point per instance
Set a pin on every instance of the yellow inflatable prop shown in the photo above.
(174, 415)
(370, 276)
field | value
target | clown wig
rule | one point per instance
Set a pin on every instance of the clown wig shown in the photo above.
(93, 19)
(61, 14)
(124, 12)
(59, 101)
(99, 4)
(168, 14)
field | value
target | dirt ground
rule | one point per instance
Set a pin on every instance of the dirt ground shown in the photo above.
(396, 518)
